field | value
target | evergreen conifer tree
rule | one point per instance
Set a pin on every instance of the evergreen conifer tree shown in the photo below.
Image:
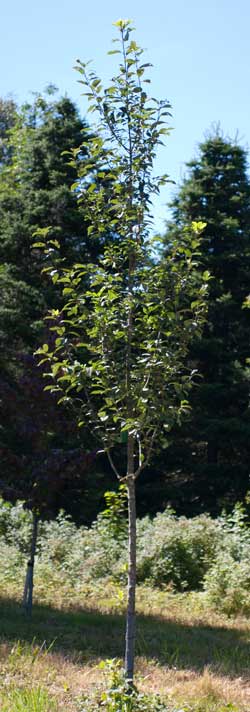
(35, 188)
(211, 453)
(8, 112)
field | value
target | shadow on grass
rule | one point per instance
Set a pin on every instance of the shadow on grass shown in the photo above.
(90, 635)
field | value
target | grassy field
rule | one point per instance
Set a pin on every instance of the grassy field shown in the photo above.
(196, 659)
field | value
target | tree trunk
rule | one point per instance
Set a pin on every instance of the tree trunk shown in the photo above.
(130, 622)
(28, 586)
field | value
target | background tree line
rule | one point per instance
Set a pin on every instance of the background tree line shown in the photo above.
(206, 464)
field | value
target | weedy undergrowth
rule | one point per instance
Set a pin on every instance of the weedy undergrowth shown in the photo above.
(119, 696)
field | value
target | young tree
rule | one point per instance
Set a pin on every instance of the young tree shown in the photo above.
(212, 449)
(121, 342)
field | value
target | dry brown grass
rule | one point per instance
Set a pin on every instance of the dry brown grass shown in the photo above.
(189, 687)
(185, 651)
(66, 681)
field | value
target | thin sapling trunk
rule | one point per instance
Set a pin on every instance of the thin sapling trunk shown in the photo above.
(29, 580)
(130, 622)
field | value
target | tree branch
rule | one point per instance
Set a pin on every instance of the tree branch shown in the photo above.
(112, 464)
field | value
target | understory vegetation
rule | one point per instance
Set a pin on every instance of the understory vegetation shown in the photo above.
(192, 651)
(174, 553)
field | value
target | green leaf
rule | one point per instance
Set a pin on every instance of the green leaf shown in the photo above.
(55, 368)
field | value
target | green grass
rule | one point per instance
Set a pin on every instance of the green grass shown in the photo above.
(34, 700)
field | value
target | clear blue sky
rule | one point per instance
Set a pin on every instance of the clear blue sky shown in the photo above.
(200, 50)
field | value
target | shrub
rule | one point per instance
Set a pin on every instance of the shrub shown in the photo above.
(15, 524)
(80, 555)
(12, 563)
(227, 585)
(186, 554)
(176, 551)
(227, 582)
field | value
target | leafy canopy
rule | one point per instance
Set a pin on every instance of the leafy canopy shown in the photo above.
(120, 341)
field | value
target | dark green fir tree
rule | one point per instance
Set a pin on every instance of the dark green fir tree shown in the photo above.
(8, 114)
(210, 455)
(35, 191)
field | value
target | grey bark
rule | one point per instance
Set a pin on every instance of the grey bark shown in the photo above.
(29, 580)
(130, 622)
